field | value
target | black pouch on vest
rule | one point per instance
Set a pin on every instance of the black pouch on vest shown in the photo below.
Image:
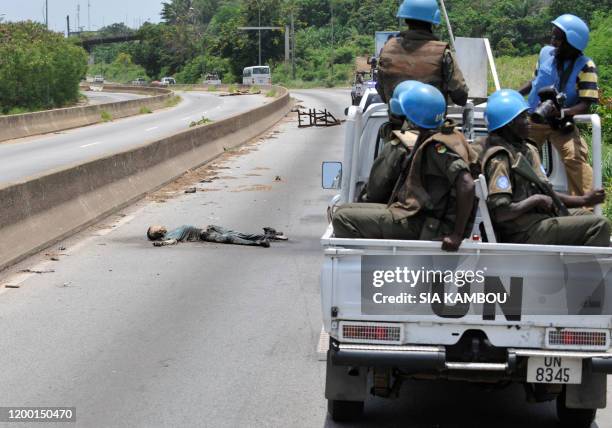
(431, 229)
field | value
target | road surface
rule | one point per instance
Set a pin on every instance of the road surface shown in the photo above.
(207, 334)
(34, 155)
(110, 97)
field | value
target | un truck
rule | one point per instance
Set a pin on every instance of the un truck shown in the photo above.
(491, 313)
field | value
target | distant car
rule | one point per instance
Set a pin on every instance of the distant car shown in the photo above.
(141, 81)
(167, 81)
(212, 79)
(98, 79)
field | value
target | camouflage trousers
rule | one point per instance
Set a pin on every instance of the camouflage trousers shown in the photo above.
(574, 152)
(581, 227)
(374, 221)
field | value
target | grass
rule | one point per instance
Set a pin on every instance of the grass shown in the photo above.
(145, 110)
(171, 102)
(231, 89)
(254, 89)
(271, 93)
(202, 121)
(106, 116)
(212, 88)
(513, 72)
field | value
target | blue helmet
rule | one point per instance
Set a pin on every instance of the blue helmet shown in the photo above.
(423, 105)
(420, 10)
(575, 29)
(394, 105)
(503, 107)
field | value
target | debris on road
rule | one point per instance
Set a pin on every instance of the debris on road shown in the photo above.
(278, 178)
(37, 271)
(314, 117)
(55, 259)
(12, 286)
(191, 190)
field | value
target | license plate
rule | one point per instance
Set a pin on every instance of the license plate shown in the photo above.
(554, 370)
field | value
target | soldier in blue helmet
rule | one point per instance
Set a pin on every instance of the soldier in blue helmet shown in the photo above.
(524, 207)
(433, 197)
(417, 54)
(564, 66)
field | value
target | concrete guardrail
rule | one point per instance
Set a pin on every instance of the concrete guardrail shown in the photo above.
(47, 208)
(42, 122)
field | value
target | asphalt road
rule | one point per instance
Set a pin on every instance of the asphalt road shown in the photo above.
(34, 155)
(204, 334)
(110, 97)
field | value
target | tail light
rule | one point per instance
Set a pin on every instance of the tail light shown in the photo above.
(578, 339)
(370, 332)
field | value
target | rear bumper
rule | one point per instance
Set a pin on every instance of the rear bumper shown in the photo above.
(433, 359)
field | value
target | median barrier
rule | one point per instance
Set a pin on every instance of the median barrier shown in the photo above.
(42, 122)
(47, 208)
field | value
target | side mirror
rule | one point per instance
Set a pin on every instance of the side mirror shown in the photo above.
(331, 175)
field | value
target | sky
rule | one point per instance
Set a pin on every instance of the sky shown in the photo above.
(102, 12)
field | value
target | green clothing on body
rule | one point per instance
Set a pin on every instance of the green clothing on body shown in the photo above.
(514, 173)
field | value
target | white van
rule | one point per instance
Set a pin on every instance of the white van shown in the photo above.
(257, 75)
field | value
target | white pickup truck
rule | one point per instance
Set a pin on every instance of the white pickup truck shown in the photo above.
(491, 313)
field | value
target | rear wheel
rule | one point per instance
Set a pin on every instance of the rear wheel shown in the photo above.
(574, 418)
(344, 410)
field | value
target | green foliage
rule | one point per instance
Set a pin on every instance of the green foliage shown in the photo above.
(145, 110)
(231, 89)
(514, 72)
(202, 121)
(106, 116)
(39, 69)
(122, 70)
(271, 93)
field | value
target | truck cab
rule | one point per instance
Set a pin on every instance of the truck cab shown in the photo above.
(492, 313)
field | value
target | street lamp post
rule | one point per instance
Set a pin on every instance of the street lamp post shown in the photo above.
(259, 31)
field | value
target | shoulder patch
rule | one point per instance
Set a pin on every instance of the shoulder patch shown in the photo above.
(440, 148)
(502, 183)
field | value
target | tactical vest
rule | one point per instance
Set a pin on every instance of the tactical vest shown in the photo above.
(548, 75)
(407, 59)
(526, 181)
(410, 196)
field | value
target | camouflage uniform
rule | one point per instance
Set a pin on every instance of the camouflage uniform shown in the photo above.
(424, 204)
(514, 172)
(419, 55)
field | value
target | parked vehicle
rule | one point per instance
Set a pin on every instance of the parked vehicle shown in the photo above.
(141, 81)
(257, 75)
(211, 79)
(98, 79)
(166, 81)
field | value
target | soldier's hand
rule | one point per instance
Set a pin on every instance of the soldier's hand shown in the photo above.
(543, 203)
(594, 197)
(451, 242)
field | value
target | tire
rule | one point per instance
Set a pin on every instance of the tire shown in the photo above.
(574, 418)
(344, 410)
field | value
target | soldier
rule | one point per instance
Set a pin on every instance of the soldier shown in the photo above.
(398, 142)
(524, 207)
(434, 195)
(161, 236)
(564, 66)
(417, 54)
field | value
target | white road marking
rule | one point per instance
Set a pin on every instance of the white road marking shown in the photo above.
(151, 129)
(90, 144)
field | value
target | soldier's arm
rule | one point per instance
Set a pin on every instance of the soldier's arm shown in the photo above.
(464, 187)
(455, 82)
(594, 197)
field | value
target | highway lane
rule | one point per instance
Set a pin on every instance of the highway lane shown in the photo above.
(110, 97)
(207, 334)
(33, 155)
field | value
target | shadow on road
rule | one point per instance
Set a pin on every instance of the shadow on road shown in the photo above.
(428, 404)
